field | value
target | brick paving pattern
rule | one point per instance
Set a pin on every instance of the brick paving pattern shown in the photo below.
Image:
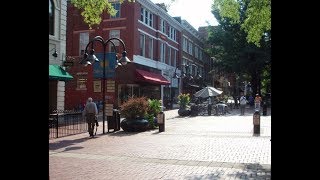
(201, 147)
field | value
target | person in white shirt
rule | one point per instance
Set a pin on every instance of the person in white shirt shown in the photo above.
(243, 102)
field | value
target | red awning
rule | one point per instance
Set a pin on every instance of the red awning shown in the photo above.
(151, 77)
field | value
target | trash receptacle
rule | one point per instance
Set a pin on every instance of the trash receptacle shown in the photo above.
(114, 121)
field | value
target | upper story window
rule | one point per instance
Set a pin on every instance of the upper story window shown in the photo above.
(190, 48)
(163, 26)
(114, 34)
(83, 41)
(51, 17)
(196, 52)
(116, 6)
(200, 55)
(185, 45)
(146, 17)
(172, 33)
(142, 45)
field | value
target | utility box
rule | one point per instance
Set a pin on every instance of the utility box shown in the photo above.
(161, 121)
(256, 123)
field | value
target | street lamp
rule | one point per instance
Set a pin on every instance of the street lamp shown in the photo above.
(89, 59)
(187, 74)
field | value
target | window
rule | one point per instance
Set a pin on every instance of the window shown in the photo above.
(185, 45)
(172, 33)
(174, 58)
(200, 55)
(114, 34)
(196, 53)
(83, 41)
(163, 26)
(151, 48)
(116, 6)
(162, 52)
(190, 48)
(169, 59)
(146, 17)
(51, 17)
(142, 45)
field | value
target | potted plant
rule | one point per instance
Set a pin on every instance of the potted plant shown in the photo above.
(183, 101)
(153, 110)
(134, 111)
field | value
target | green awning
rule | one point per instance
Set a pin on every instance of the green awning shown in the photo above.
(57, 73)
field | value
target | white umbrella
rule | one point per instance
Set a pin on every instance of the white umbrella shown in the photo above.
(207, 92)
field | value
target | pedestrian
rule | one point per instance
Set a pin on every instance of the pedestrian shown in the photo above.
(243, 102)
(90, 112)
(251, 101)
(257, 102)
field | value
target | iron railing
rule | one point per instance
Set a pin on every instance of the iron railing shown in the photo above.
(66, 122)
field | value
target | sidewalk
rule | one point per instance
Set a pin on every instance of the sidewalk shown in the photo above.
(201, 147)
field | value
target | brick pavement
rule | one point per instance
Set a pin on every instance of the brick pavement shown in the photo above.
(206, 147)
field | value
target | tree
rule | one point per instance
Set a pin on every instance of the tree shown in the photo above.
(257, 16)
(92, 10)
(234, 54)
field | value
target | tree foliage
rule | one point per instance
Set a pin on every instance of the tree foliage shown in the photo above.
(92, 9)
(257, 16)
(234, 54)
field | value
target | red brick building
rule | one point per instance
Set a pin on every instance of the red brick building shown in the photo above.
(152, 40)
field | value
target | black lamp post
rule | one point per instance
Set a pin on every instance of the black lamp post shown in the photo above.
(91, 58)
(186, 73)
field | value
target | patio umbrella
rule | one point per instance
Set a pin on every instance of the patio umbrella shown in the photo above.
(207, 92)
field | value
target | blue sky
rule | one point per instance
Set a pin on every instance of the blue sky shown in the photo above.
(197, 13)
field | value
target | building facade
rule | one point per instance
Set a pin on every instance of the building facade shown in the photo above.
(57, 50)
(153, 42)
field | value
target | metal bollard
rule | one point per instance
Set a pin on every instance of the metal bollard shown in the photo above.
(161, 121)
(256, 123)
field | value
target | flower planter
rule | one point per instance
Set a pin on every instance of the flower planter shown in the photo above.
(183, 112)
(134, 125)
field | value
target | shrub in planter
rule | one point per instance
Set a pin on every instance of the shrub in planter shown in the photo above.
(183, 101)
(134, 110)
(154, 109)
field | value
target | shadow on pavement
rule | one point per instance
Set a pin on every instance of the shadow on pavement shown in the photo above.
(66, 143)
(72, 148)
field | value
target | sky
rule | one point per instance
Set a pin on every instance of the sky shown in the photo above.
(197, 13)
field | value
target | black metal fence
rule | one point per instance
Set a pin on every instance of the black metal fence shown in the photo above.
(65, 123)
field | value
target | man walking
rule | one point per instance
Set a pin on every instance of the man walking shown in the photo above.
(90, 111)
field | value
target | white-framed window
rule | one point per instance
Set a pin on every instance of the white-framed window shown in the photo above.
(169, 57)
(185, 45)
(142, 45)
(172, 33)
(163, 26)
(196, 52)
(83, 41)
(174, 58)
(190, 48)
(114, 34)
(151, 48)
(51, 17)
(117, 7)
(146, 17)
(162, 52)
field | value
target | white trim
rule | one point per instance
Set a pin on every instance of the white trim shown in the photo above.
(159, 39)
(155, 9)
(146, 25)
